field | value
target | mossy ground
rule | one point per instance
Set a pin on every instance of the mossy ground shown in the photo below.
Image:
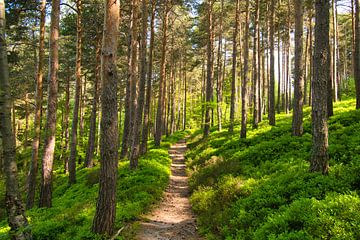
(261, 187)
(74, 206)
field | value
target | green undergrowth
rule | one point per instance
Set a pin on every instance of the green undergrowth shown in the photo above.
(74, 206)
(261, 188)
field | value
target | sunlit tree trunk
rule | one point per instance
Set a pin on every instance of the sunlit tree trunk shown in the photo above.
(104, 218)
(255, 67)
(357, 53)
(50, 128)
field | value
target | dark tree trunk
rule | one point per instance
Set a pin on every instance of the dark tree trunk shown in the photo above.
(210, 67)
(104, 218)
(255, 67)
(145, 133)
(50, 128)
(18, 223)
(297, 124)
(38, 106)
(162, 85)
(272, 67)
(357, 53)
(244, 88)
(92, 134)
(135, 148)
(234, 63)
(320, 157)
(75, 120)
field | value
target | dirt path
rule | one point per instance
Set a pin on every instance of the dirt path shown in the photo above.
(173, 218)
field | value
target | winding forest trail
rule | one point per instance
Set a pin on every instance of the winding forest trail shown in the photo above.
(173, 218)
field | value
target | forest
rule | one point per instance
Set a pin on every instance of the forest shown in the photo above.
(179, 119)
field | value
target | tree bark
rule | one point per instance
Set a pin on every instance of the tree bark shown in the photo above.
(104, 218)
(135, 148)
(38, 106)
(210, 69)
(299, 77)
(17, 221)
(50, 129)
(272, 67)
(219, 65)
(92, 134)
(244, 87)
(74, 128)
(145, 133)
(255, 67)
(233, 70)
(357, 53)
(319, 156)
(162, 85)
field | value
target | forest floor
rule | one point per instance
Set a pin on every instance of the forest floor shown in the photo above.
(173, 218)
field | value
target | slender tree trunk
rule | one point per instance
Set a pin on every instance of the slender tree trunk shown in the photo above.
(357, 53)
(104, 218)
(297, 124)
(185, 93)
(234, 65)
(92, 134)
(135, 149)
(319, 157)
(66, 122)
(210, 68)
(244, 87)
(17, 221)
(335, 51)
(311, 58)
(272, 66)
(255, 67)
(50, 129)
(162, 86)
(145, 133)
(38, 105)
(306, 74)
(75, 120)
(219, 69)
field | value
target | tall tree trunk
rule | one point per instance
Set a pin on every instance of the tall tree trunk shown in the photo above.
(162, 87)
(255, 67)
(75, 120)
(210, 69)
(104, 218)
(145, 133)
(92, 134)
(319, 156)
(50, 128)
(244, 87)
(357, 53)
(219, 66)
(38, 106)
(66, 122)
(297, 124)
(185, 93)
(234, 65)
(135, 149)
(311, 58)
(335, 51)
(18, 223)
(272, 66)
(306, 73)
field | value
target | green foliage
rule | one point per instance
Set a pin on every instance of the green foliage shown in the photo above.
(260, 187)
(74, 206)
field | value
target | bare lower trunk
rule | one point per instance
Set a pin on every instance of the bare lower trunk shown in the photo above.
(50, 128)
(91, 142)
(319, 157)
(104, 218)
(38, 106)
(255, 67)
(299, 78)
(272, 66)
(357, 53)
